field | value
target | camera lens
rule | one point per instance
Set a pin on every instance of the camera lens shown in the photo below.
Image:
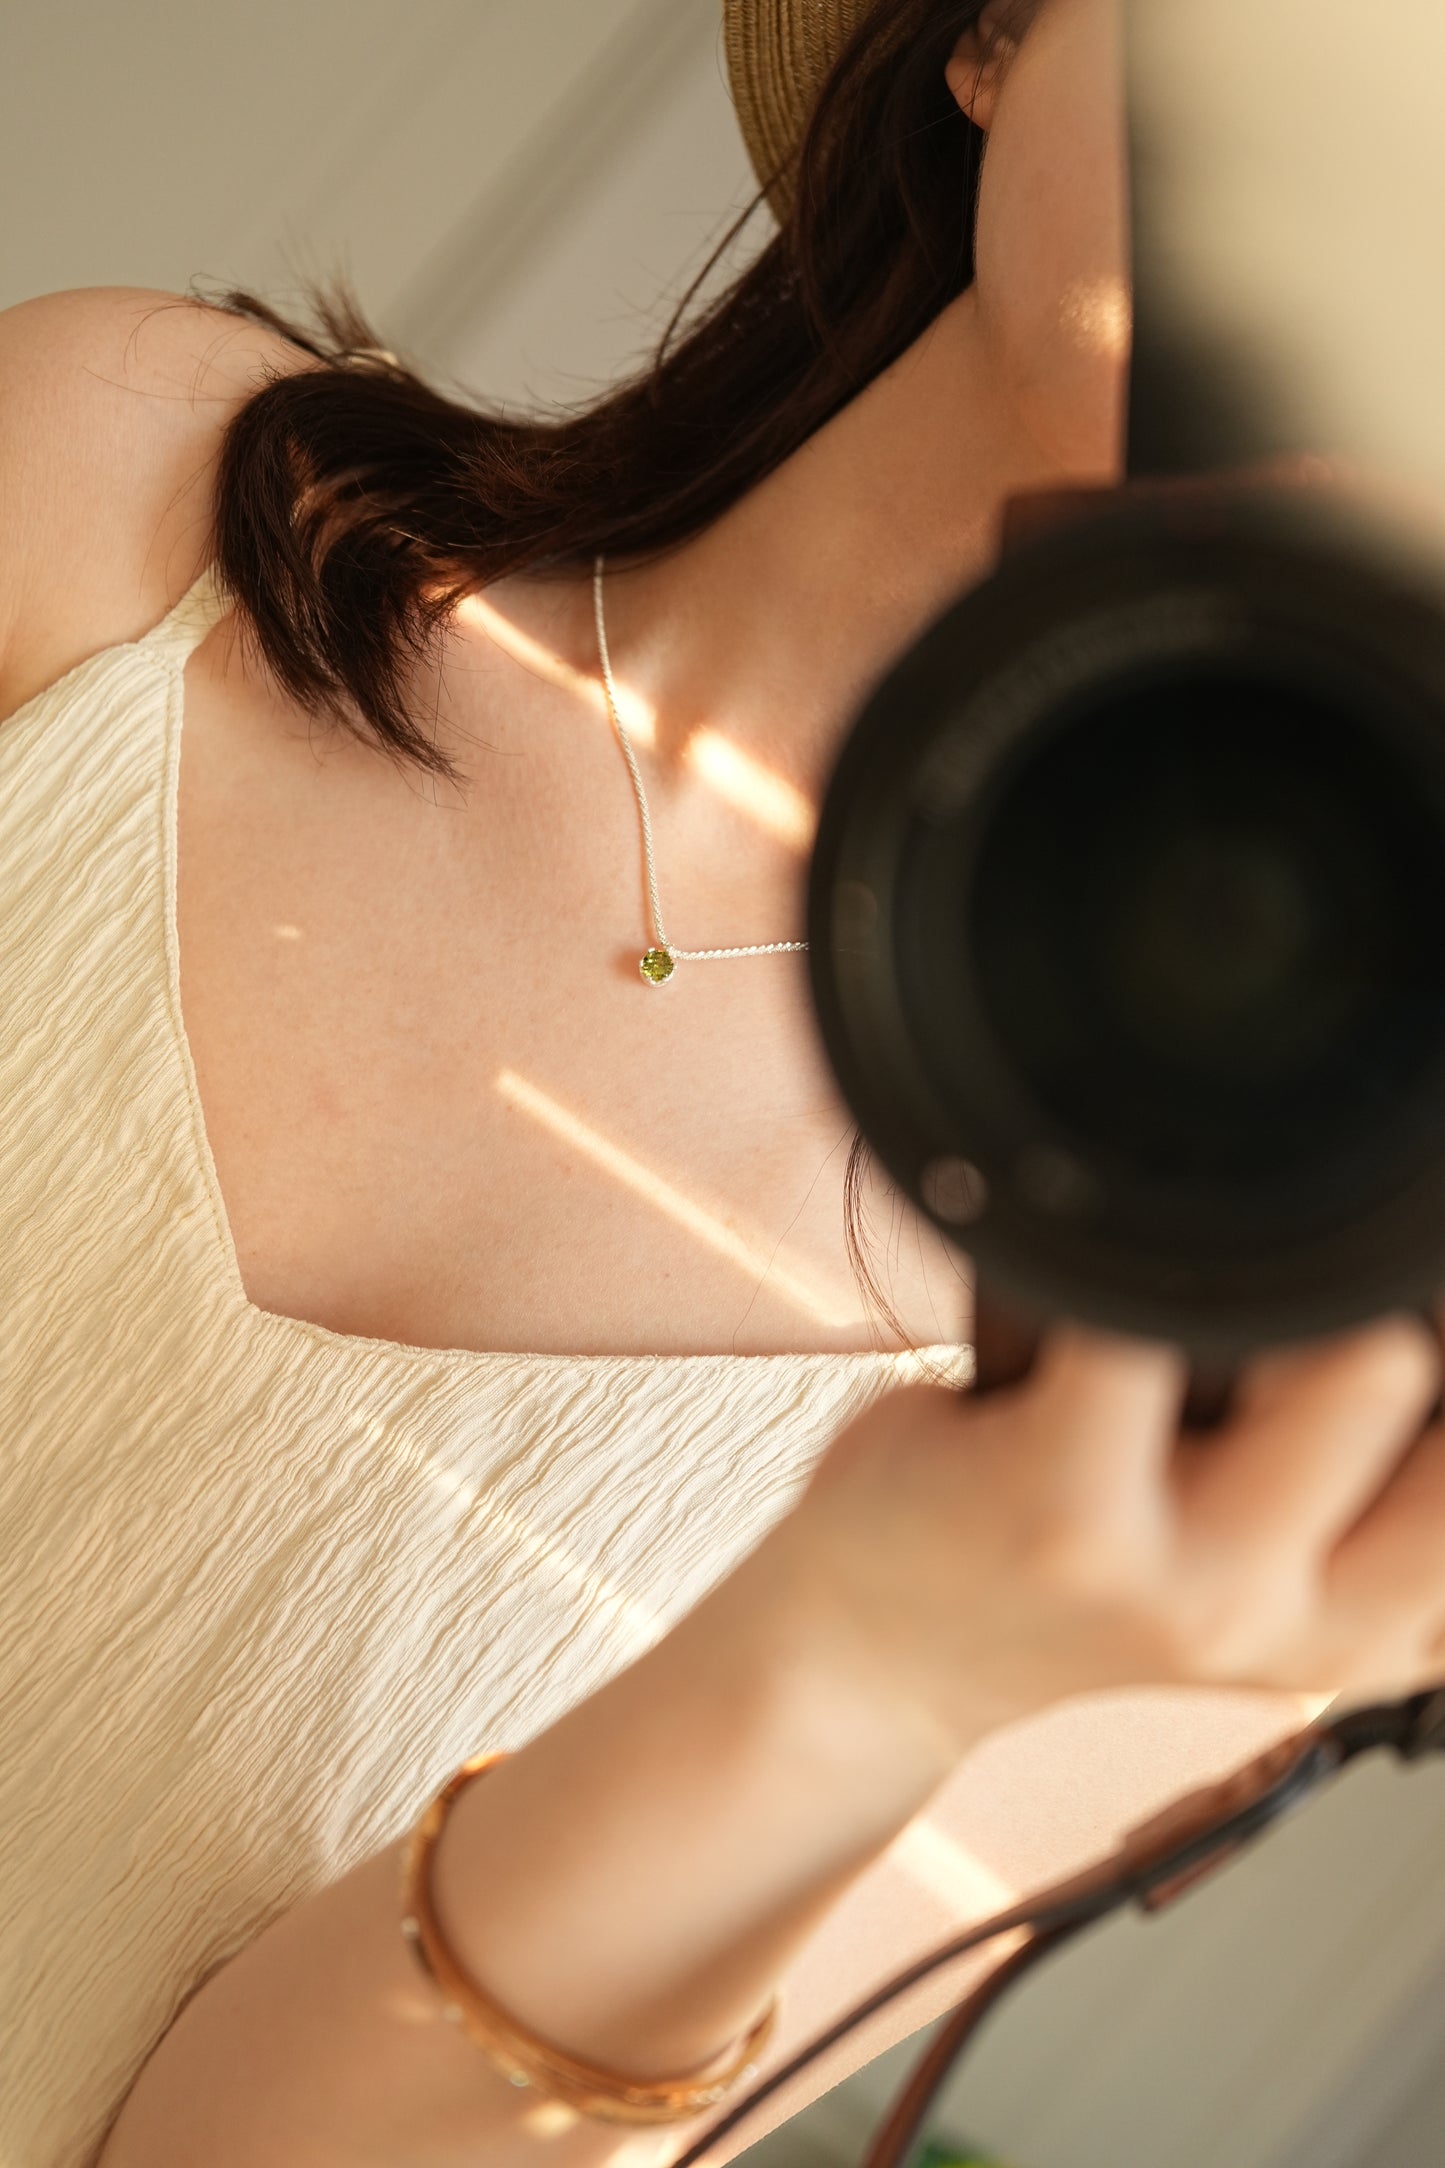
(1202, 922)
(1151, 833)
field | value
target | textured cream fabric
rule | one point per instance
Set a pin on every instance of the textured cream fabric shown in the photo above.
(262, 1586)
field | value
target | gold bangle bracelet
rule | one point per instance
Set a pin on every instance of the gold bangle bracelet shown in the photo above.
(524, 2057)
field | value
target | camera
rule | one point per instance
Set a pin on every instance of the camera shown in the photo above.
(1127, 920)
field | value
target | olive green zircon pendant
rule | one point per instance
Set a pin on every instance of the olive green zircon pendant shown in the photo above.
(657, 967)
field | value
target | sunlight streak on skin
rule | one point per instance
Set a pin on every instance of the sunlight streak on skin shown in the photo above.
(942, 1867)
(645, 2151)
(548, 2119)
(1100, 313)
(738, 779)
(639, 719)
(553, 2119)
(800, 1288)
(752, 788)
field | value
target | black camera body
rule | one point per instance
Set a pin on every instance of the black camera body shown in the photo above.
(1127, 921)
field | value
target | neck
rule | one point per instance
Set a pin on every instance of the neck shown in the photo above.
(762, 635)
(771, 626)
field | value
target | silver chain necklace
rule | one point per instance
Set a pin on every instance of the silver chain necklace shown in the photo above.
(662, 959)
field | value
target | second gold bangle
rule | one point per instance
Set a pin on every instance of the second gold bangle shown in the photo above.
(524, 2057)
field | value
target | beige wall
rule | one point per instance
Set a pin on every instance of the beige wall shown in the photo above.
(516, 184)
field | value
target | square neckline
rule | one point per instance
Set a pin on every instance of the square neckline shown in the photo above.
(172, 642)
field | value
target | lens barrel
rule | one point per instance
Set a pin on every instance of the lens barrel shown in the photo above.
(1127, 921)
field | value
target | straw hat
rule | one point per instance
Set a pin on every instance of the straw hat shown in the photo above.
(779, 54)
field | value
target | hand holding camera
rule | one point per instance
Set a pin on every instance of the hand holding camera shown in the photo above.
(981, 1561)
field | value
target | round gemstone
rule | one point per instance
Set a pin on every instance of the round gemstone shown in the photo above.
(657, 966)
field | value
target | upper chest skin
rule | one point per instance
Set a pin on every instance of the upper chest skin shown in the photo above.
(443, 1106)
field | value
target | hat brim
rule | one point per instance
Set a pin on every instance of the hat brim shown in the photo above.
(779, 55)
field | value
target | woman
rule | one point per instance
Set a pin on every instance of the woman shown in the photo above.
(429, 1339)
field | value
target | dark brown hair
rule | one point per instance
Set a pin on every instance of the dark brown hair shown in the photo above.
(355, 504)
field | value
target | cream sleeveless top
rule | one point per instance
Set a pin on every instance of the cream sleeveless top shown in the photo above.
(262, 1585)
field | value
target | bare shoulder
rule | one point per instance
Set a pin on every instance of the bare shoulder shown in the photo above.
(113, 402)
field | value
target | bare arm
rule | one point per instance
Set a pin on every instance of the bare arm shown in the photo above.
(113, 397)
(632, 1884)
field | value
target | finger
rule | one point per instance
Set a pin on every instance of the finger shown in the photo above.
(1110, 1403)
(1316, 1430)
(1391, 1563)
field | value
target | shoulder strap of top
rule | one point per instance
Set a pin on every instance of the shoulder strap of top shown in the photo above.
(184, 627)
